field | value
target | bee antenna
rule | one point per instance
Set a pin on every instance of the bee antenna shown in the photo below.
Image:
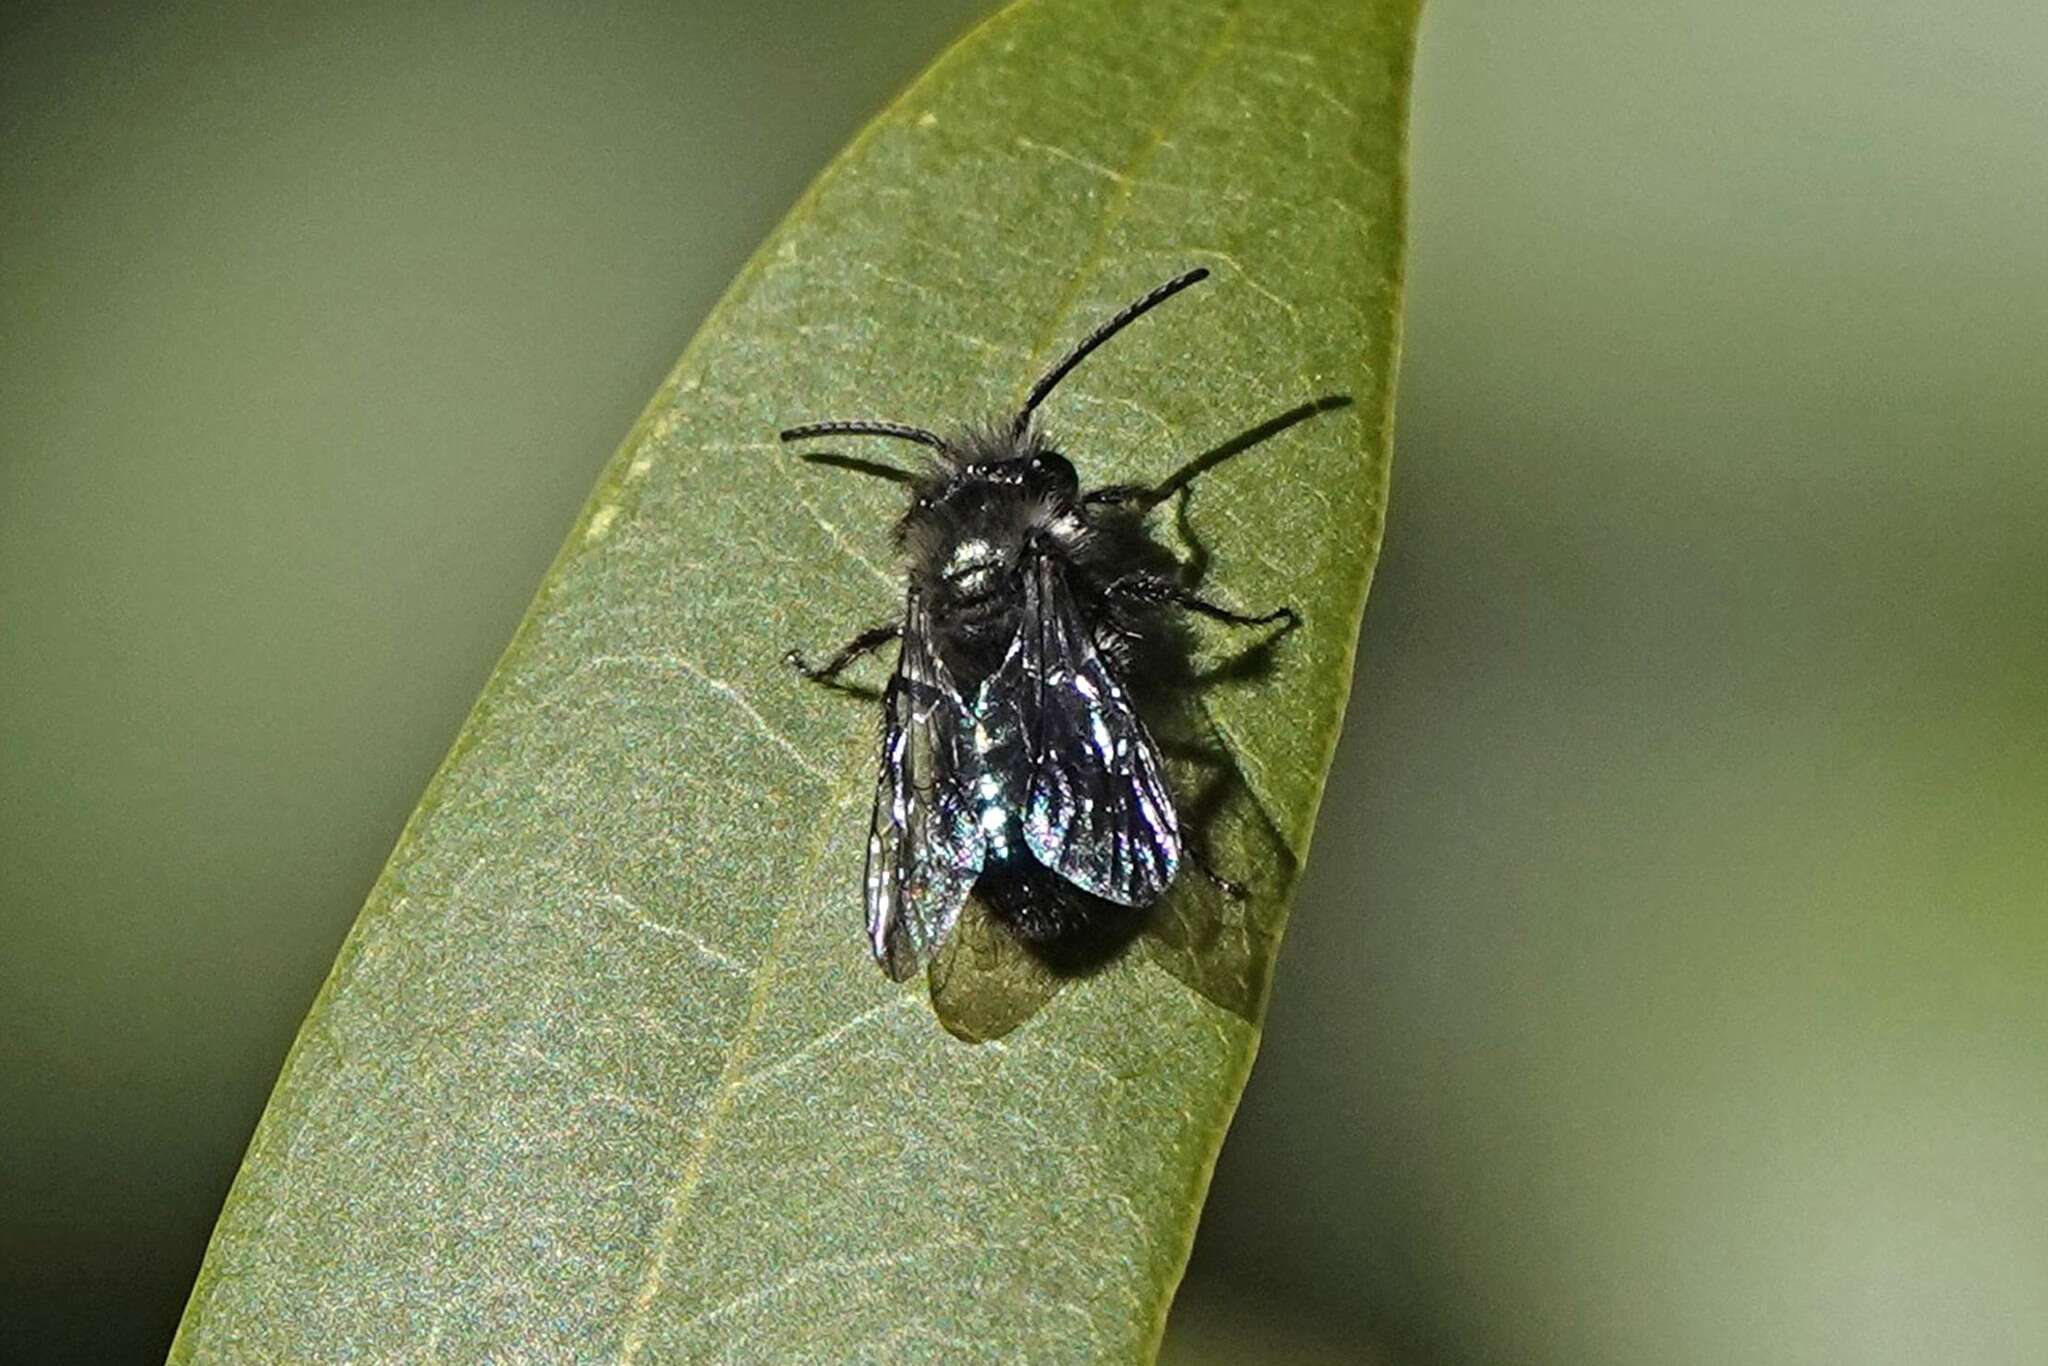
(875, 429)
(1131, 313)
(864, 428)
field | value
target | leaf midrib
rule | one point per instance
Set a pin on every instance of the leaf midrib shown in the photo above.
(845, 791)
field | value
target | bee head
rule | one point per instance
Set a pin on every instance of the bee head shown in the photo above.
(1051, 475)
(992, 490)
(990, 463)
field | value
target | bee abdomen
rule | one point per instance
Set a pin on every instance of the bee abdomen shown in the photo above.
(1044, 909)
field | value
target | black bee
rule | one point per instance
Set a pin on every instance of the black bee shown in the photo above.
(1012, 757)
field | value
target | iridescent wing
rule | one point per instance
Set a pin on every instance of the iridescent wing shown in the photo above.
(924, 848)
(1098, 811)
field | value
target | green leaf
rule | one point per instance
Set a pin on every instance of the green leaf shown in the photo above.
(603, 1069)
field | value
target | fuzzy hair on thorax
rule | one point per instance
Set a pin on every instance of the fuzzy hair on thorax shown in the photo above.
(996, 494)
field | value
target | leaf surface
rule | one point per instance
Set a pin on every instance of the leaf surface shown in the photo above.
(603, 1070)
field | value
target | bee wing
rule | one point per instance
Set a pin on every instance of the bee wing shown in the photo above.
(925, 848)
(1098, 812)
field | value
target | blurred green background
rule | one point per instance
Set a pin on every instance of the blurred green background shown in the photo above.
(1669, 980)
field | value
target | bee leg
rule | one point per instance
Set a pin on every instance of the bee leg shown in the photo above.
(866, 643)
(1154, 588)
(1234, 890)
(1117, 495)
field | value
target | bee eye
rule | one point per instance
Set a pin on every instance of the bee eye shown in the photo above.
(1053, 468)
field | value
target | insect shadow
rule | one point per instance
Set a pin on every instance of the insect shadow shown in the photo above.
(1217, 927)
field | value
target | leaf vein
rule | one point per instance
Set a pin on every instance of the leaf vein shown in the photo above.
(1125, 180)
(790, 1280)
(730, 694)
(704, 947)
(676, 1205)
(823, 1041)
